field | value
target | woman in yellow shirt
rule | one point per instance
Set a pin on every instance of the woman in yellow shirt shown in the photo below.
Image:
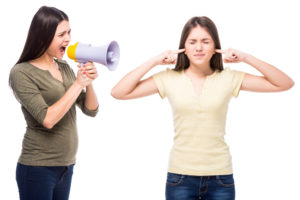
(199, 90)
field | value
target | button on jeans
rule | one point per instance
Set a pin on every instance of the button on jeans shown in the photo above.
(44, 183)
(185, 187)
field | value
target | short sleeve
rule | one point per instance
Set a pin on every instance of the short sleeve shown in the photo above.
(237, 79)
(159, 79)
(28, 94)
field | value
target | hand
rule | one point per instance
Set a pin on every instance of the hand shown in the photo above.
(168, 57)
(82, 78)
(232, 55)
(89, 70)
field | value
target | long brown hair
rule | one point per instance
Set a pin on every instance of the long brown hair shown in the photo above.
(41, 32)
(216, 60)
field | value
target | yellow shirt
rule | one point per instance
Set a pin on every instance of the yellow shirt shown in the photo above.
(199, 121)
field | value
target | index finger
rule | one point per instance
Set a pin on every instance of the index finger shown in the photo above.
(220, 51)
(177, 51)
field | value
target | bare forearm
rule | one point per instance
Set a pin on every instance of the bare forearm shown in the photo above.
(271, 73)
(128, 83)
(91, 101)
(131, 86)
(56, 111)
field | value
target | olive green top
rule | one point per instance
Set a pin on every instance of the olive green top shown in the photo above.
(36, 90)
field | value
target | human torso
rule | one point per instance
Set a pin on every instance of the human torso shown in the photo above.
(199, 116)
(42, 146)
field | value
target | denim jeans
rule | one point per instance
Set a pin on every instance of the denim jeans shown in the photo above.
(185, 187)
(44, 183)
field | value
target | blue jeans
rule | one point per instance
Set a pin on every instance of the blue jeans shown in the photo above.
(44, 183)
(185, 187)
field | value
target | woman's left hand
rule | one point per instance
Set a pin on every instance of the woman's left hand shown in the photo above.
(89, 70)
(232, 55)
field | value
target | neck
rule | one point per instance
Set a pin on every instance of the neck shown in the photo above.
(200, 71)
(45, 60)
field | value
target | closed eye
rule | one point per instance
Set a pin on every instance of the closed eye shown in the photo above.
(206, 41)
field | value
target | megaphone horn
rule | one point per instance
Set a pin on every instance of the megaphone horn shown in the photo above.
(108, 55)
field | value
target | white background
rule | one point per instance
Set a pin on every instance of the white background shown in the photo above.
(123, 152)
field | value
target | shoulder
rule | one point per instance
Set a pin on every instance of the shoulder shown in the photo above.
(229, 73)
(21, 74)
(20, 69)
(167, 73)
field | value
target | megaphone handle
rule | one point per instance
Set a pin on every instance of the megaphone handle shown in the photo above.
(81, 66)
(82, 63)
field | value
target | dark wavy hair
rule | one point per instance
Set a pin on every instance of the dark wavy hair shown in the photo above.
(41, 32)
(206, 23)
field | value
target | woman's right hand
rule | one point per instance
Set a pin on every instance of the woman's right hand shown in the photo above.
(167, 57)
(132, 86)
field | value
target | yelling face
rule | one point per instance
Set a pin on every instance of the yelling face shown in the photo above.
(199, 46)
(60, 40)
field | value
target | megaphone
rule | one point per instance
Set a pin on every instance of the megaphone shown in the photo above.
(107, 55)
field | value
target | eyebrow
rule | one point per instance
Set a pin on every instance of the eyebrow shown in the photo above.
(64, 32)
(204, 39)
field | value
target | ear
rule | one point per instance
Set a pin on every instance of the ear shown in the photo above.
(214, 51)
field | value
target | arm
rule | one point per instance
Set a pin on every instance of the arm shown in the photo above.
(91, 101)
(131, 86)
(56, 111)
(273, 80)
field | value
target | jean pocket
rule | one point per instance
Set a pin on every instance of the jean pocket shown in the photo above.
(174, 179)
(225, 180)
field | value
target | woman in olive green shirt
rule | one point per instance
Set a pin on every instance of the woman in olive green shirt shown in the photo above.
(48, 91)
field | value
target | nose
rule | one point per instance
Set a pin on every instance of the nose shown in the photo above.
(199, 47)
(68, 37)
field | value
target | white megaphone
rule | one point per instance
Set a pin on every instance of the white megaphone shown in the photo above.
(107, 55)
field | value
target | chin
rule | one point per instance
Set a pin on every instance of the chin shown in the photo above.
(59, 57)
(198, 62)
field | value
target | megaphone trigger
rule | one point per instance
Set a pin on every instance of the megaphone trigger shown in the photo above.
(108, 55)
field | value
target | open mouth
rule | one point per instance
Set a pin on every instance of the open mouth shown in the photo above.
(62, 49)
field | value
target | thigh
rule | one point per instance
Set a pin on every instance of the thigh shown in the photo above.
(221, 188)
(179, 187)
(62, 189)
(34, 182)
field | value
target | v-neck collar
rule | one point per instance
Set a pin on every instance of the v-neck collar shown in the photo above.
(47, 72)
(188, 79)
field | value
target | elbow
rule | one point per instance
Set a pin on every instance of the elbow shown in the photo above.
(292, 83)
(121, 95)
(47, 124)
(115, 94)
(289, 85)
